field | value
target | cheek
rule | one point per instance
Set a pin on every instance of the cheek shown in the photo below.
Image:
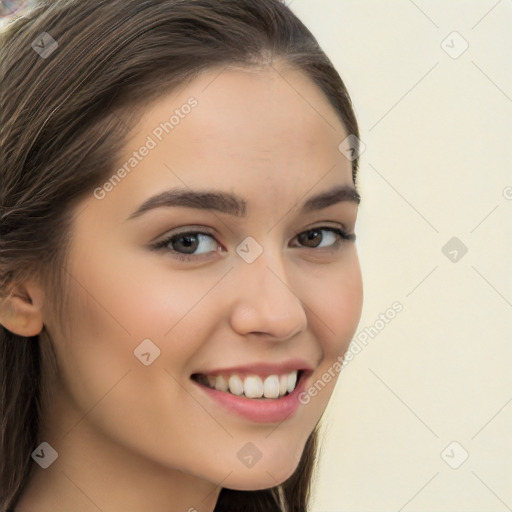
(105, 381)
(336, 301)
(110, 319)
(139, 295)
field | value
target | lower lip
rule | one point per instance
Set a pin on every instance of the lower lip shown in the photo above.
(256, 410)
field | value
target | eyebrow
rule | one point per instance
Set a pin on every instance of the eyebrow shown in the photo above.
(232, 204)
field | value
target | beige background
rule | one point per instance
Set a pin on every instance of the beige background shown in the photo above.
(437, 165)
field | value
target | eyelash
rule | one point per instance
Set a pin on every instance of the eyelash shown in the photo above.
(163, 244)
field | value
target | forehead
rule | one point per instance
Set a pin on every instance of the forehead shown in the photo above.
(256, 131)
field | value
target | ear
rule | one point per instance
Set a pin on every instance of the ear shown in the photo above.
(21, 312)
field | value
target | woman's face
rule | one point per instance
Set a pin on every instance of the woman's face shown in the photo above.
(245, 285)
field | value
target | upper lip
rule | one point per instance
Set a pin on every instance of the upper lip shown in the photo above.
(262, 369)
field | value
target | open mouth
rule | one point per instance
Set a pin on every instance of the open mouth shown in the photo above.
(252, 386)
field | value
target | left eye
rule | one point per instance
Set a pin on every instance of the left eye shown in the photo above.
(319, 238)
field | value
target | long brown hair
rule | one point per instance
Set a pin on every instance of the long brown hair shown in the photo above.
(64, 117)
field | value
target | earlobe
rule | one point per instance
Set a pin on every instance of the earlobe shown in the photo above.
(21, 312)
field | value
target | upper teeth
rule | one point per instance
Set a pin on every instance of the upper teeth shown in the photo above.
(253, 386)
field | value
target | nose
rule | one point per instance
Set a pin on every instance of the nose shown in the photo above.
(265, 302)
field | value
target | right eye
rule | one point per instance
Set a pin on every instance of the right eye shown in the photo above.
(188, 245)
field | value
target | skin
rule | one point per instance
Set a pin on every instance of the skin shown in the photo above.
(135, 438)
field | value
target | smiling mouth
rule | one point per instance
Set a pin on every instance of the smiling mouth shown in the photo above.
(256, 387)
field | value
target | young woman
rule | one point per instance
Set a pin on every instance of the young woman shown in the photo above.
(179, 278)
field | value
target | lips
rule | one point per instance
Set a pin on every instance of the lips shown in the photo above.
(258, 410)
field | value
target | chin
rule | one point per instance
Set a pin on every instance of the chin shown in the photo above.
(262, 477)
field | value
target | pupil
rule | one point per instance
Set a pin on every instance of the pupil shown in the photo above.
(189, 242)
(310, 236)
